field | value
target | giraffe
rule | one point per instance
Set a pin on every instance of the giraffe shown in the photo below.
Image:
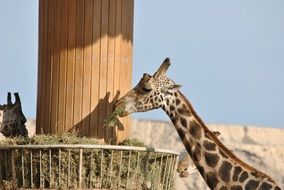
(185, 165)
(12, 119)
(220, 168)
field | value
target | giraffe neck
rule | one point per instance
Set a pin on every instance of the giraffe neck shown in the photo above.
(218, 166)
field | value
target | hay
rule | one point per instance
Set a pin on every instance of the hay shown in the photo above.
(112, 120)
(62, 169)
(65, 138)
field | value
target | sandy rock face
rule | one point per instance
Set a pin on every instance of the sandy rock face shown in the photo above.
(262, 148)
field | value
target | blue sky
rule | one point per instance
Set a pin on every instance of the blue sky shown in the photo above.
(227, 55)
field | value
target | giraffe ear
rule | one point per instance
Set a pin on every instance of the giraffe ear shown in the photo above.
(172, 88)
(9, 99)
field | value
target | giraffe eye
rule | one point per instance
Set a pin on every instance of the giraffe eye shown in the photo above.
(146, 89)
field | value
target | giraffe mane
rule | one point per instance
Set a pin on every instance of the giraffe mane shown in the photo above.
(225, 150)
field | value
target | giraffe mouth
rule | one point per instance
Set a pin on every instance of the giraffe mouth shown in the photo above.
(120, 111)
(123, 114)
(184, 174)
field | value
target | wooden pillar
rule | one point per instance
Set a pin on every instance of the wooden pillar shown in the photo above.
(85, 62)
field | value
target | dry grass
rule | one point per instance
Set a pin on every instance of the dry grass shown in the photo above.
(99, 169)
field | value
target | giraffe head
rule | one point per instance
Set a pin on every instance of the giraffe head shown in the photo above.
(150, 93)
(12, 119)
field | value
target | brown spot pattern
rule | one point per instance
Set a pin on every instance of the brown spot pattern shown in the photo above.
(195, 129)
(168, 102)
(243, 177)
(211, 159)
(251, 185)
(181, 133)
(174, 120)
(224, 171)
(265, 186)
(183, 122)
(184, 112)
(236, 187)
(212, 180)
(196, 155)
(209, 145)
(223, 188)
(178, 102)
(237, 171)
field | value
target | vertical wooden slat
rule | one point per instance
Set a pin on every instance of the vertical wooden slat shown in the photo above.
(85, 52)
(119, 170)
(111, 168)
(46, 65)
(137, 168)
(55, 69)
(41, 185)
(62, 65)
(50, 168)
(88, 37)
(40, 58)
(59, 168)
(160, 169)
(91, 169)
(78, 64)
(31, 169)
(13, 167)
(6, 165)
(103, 68)
(110, 64)
(165, 171)
(128, 170)
(117, 66)
(129, 35)
(124, 59)
(23, 168)
(69, 96)
(101, 168)
(68, 168)
(95, 68)
(80, 167)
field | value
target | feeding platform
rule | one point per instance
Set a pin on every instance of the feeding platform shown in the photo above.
(81, 166)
